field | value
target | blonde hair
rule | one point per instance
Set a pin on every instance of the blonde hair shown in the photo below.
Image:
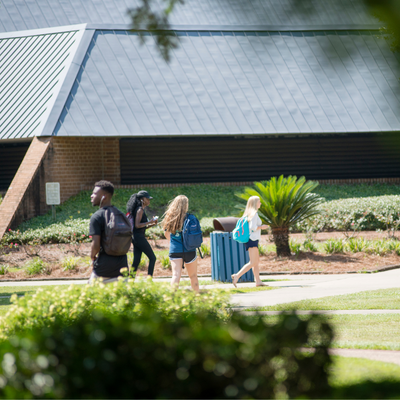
(175, 215)
(251, 208)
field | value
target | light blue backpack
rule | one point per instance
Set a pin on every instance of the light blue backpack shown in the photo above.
(242, 232)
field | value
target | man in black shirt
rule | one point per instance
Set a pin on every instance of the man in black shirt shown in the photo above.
(105, 266)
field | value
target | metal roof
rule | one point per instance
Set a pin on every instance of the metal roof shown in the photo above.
(33, 69)
(16, 15)
(235, 83)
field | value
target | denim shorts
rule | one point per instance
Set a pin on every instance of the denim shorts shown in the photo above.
(187, 257)
(251, 243)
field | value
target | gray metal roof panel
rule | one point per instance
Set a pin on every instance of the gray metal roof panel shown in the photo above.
(35, 14)
(33, 70)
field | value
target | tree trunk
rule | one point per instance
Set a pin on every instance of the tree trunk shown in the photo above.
(281, 239)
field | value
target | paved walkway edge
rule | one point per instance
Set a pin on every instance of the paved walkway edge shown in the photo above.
(388, 356)
(371, 271)
(322, 312)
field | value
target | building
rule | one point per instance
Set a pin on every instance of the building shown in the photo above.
(255, 89)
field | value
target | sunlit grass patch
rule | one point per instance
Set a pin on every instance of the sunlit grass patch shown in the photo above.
(350, 371)
(384, 299)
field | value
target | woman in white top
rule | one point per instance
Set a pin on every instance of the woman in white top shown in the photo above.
(255, 226)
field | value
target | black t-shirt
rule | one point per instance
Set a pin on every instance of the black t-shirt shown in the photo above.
(105, 265)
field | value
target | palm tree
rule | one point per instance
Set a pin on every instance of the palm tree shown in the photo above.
(284, 201)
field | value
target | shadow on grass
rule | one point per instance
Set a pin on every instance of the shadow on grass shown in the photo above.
(5, 297)
(367, 390)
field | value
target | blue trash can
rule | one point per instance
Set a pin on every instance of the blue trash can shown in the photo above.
(227, 257)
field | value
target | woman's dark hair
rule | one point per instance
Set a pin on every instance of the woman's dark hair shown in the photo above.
(133, 204)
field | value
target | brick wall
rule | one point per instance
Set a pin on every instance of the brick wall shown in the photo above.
(79, 162)
(24, 199)
(73, 162)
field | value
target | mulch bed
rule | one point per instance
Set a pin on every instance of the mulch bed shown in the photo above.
(303, 263)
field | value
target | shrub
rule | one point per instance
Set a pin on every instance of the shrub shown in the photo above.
(70, 263)
(4, 269)
(357, 245)
(334, 246)
(308, 245)
(143, 261)
(76, 231)
(205, 249)
(69, 303)
(393, 245)
(153, 356)
(36, 266)
(368, 213)
(165, 262)
(378, 247)
(295, 247)
(263, 249)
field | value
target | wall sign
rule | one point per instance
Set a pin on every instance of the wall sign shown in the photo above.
(52, 193)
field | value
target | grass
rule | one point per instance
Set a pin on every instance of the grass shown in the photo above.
(336, 192)
(202, 200)
(352, 371)
(375, 331)
(384, 299)
(19, 291)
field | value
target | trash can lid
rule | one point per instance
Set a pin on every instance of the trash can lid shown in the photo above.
(225, 224)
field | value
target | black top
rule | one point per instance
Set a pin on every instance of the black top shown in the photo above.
(105, 265)
(141, 231)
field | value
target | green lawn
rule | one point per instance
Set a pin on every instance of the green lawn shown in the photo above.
(385, 299)
(18, 290)
(351, 371)
(376, 331)
(204, 200)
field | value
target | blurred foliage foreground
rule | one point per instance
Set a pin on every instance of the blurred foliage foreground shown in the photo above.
(126, 340)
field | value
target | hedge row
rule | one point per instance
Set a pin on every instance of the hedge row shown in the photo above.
(126, 340)
(368, 213)
(75, 231)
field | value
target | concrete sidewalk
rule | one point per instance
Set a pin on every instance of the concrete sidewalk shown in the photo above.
(303, 287)
(389, 356)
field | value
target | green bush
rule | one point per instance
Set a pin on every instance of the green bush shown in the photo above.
(4, 269)
(357, 245)
(205, 249)
(70, 263)
(165, 262)
(70, 231)
(295, 247)
(154, 356)
(263, 250)
(334, 246)
(69, 303)
(76, 231)
(378, 247)
(309, 245)
(37, 266)
(369, 213)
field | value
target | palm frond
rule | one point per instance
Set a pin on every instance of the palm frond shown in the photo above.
(284, 201)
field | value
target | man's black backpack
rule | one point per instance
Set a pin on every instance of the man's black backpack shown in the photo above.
(117, 237)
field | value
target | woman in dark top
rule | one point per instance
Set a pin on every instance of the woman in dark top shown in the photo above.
(136, 205)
